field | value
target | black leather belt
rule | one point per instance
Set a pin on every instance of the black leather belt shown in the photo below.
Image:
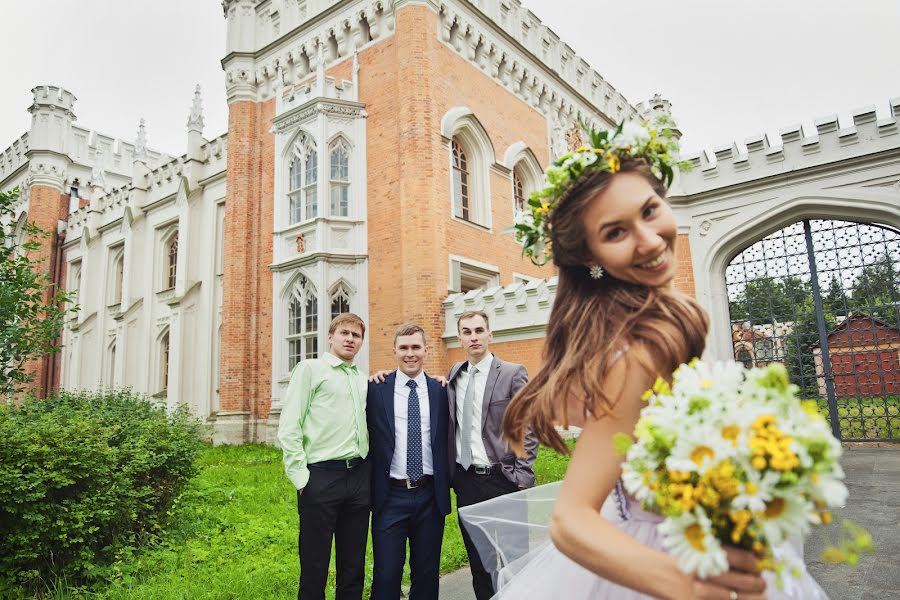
(483, 469)
(411, 485)
(338, 465)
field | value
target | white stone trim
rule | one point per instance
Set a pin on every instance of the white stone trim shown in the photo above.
(557, 83)
(460, 123)
(515, 311)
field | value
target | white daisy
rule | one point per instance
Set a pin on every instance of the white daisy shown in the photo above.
(756, 491)
(689, 539)
(784, 517)
(699, 449)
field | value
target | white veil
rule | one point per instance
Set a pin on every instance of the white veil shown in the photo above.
(510, 531)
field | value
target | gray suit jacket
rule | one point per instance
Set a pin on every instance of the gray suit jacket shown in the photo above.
(504, 380)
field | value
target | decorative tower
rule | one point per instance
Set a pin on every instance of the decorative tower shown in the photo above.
(656, 107)
(52, 115)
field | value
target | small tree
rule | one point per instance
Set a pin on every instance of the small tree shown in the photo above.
(31, 309)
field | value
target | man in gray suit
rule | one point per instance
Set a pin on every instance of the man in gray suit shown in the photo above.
(482, 463)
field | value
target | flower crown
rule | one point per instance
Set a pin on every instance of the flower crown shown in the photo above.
(655, 143)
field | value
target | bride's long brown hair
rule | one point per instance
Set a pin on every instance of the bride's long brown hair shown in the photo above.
(592, 321)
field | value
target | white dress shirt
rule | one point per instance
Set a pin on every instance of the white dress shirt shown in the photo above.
(475, 375)
(401, 419)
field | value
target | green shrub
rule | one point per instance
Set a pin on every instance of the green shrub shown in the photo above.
(85, 477)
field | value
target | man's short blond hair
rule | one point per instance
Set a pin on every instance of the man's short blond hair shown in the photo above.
(410, 329)
(348, 319)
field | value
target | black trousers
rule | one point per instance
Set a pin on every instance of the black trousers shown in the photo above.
(407, 515)
(334, 505)
(471, 488)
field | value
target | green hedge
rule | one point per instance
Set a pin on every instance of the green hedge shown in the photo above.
(85, 477)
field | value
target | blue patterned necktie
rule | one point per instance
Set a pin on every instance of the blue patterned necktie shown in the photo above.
(414, 466)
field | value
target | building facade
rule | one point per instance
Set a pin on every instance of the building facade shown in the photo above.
(376, 152)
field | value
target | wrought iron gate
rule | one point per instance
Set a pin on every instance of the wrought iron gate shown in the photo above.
(823, 297)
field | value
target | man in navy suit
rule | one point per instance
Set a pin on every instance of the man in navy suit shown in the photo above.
(408, 416)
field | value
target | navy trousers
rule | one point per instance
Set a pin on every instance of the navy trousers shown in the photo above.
(407, 515)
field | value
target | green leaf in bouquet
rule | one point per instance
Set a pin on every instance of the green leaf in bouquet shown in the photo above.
(622, 442)
(775, 377)
(854, 541)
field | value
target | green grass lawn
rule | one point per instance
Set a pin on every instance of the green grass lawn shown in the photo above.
(235, 535)
(866, 418)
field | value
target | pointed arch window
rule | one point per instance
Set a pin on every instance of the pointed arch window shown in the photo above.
(340, 301)
(164, 362)
(340, 179)
(461, 181)
(120, 277)
(75, 281)
(171, 260)
(111, 367)
(303, 178)
(303, 322)
(518, 190)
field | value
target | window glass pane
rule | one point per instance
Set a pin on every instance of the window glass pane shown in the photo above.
(295, 317)
(340, 204)
(295, 349)
(296, 208)
(311, 316)
(312, 203)
(312, 175)
(340, 304)
(340, 164)
(295, 175)
(312, 347)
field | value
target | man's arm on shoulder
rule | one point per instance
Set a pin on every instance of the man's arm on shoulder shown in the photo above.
(290, 430)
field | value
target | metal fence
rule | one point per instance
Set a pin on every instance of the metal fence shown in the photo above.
(823, 297)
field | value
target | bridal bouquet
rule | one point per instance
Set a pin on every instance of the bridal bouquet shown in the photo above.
(731, 457)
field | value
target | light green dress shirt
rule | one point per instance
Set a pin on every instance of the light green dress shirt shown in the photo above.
(323, 416)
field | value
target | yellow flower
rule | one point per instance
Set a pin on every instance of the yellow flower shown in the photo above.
(730, 433)
(695, 537)
(759, 463)
(661, 387)
(613, 162)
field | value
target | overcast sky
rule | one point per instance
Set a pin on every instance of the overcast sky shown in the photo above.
(730, 68)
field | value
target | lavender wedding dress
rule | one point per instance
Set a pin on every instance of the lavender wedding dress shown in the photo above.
(513, 540)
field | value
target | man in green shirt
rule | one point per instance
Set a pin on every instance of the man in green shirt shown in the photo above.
(325, 443)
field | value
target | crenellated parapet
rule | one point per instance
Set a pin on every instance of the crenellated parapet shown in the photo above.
(516, 311)
(13, 157)
(150, 188)
(794, 149)
(509, 43)
(266, 52)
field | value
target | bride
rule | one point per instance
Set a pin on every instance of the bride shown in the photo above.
(616, 325)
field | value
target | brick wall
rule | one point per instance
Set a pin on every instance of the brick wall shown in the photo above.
(684, 274)
(523, 352)
(245, 356)
(408, 83)
(46, 206)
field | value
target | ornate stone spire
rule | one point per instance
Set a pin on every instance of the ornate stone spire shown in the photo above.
(140, 143)
(195, 120)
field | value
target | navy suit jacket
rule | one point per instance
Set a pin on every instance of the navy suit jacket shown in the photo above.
(380, 418)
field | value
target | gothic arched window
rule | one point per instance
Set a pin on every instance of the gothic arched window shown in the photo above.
(171, 260)
(340, 179)
(303, 322)
(303, 178)
(461, 181)
(340, 301)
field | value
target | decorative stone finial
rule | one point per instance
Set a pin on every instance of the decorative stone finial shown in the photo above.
(657, 106)
(195, 120)
(140, 143)
(98, 173)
